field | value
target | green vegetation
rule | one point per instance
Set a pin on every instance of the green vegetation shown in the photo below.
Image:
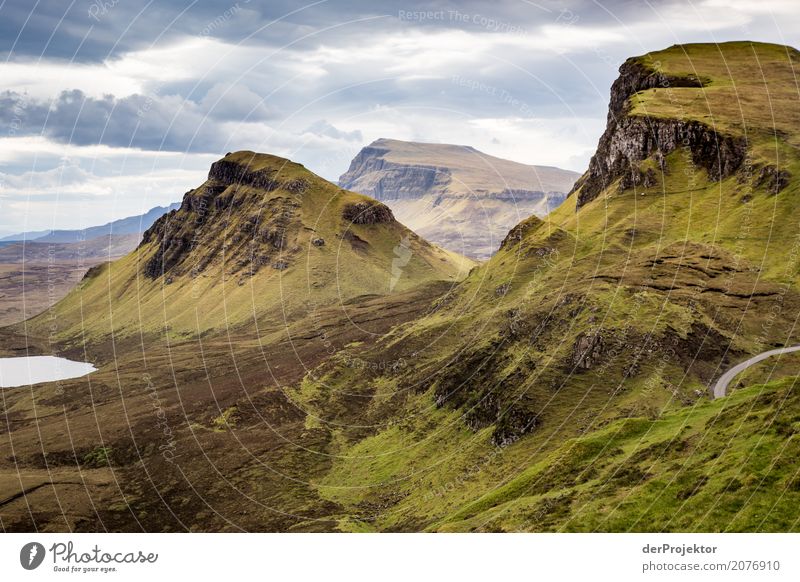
(249, 256)
(226, 420)
(98, 457)
(561, 386)
(726, 465)
(604, 327)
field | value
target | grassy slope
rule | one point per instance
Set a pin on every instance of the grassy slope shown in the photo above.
(615, 448)
(599, 269)
(750, 89)
(726, 465)
(119, 297)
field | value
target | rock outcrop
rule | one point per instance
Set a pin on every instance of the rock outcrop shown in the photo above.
(258, 213)
(587, 350)
(245, 217)
(630, 139)
(367, 213)
(371, 173)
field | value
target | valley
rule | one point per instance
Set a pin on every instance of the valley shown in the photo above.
(38, 269)
(281, 353)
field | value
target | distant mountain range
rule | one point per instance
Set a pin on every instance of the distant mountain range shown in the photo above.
(454, 195)
(123, 226)
(38, 268)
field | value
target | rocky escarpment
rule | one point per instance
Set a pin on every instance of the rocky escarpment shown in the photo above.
(367, 213)
(225, 173)
(249, 215)
(460, 198)
(188, 242)
(629, 139)
(372, 174)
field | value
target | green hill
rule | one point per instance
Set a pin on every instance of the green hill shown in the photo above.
(261, 242)
(562, 385)
(674, 257)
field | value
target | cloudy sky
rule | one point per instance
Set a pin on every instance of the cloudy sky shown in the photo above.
(110, 107)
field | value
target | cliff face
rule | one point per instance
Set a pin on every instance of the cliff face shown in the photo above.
(630, 139)
(371, 174)
(233, 217)
(453, 195)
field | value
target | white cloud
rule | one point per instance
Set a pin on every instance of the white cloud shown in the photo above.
(324, 129)
(234, 102)
(50, 185)
(329, 91)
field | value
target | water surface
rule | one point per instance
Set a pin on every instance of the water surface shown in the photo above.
(34, 369)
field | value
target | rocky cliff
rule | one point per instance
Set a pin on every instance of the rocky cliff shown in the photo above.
(248, 215)
(456, 196)
(371, 173)
(630, 139)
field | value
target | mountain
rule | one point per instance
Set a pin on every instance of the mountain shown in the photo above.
(455, 196)
(262, 240)
(252, 379)
(123, 226)
(30, 235)
(564, 385)
(264, 272)
(591, 338)
(104, 247)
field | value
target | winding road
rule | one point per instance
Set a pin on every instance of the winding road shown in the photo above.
(721, 387)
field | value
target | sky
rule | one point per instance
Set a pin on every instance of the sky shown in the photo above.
(111, 107)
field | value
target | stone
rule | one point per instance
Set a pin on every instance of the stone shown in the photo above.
(367, 212)
(628, 139)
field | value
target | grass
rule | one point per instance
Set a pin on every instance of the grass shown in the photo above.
(719, 466)
(219, 287)
(688, 262)
(678, 281)
(98, 457)
(225, 421)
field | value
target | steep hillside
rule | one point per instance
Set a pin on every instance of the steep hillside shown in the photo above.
(550, 376)
(262, 241)
(453, 195)
(563, 385)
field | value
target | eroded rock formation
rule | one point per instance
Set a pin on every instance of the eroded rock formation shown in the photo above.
(630, 139)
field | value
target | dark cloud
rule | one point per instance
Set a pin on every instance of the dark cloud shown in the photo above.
(95, 30)
(148, 122)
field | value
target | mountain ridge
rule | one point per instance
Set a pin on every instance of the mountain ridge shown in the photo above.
(261, 237)
(123, 226)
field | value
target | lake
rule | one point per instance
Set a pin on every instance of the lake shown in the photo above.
(34, 369)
